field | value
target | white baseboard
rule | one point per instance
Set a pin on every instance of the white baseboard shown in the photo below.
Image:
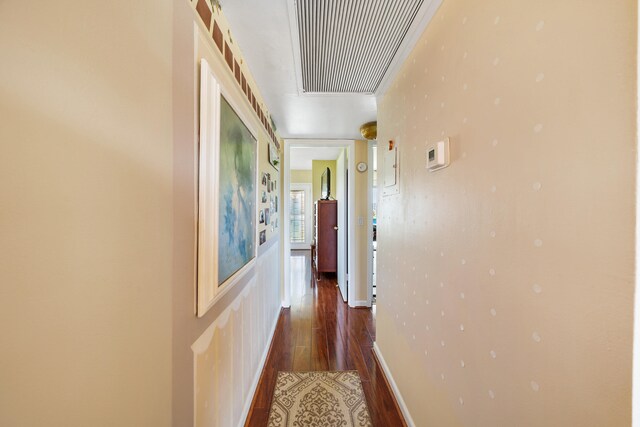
(361, 303)
(394, 386)
(256, 378)
(300, 247)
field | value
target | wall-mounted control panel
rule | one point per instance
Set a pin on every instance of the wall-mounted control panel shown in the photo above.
(438, 155)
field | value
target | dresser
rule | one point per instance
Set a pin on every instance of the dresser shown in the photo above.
(325, 235)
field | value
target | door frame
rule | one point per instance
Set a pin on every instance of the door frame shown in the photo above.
(343, 208)
(370, 145)
(350, 145)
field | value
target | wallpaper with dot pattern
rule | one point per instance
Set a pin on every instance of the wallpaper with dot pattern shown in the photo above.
(505, 281)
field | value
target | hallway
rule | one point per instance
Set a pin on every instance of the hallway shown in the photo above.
(320, 332)
(146, 174)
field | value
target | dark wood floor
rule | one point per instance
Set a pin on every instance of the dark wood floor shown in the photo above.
(320, 332)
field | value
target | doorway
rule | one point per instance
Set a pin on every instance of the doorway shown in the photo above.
(345, 225)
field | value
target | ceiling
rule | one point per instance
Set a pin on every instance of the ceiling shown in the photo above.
(301, 157)
(269, 34)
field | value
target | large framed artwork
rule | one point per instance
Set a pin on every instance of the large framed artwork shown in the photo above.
(227, 196)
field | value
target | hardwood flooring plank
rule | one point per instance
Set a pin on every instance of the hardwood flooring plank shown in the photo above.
(302, 359)
(321, 332)
(319, 350)
(304, 333)
(336, 345)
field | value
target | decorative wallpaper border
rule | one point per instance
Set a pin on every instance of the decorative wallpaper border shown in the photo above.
(213, 20)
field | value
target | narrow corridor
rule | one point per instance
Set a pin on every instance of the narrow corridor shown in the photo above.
(320, 332)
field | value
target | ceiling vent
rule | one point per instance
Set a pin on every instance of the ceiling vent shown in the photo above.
(346, 46)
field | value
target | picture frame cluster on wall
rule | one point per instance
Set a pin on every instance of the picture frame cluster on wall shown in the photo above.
(269, 199)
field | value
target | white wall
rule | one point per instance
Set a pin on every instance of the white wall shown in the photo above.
(86, 157)
(228, 356)
(341, 196)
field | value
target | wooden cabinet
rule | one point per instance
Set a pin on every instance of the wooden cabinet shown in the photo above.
(325, 235)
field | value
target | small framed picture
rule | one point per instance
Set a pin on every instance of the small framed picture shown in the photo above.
(266, 216)
(263, 236)
(264, 178)
(274, 156)
(264, 197)
(262, 217)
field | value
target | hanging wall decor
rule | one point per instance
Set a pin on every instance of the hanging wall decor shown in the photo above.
(227, 194)
(274, 156)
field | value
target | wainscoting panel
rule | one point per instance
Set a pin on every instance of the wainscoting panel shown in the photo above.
(229, 355)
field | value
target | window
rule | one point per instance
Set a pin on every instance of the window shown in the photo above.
(297, 215)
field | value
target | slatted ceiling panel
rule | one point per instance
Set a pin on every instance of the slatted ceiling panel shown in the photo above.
(347, 45)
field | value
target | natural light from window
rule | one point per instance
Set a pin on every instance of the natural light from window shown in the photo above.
(296, 216)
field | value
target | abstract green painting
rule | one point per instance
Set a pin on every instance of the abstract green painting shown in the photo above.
(237, 194)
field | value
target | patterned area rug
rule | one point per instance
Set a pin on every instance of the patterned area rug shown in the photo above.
(319, 399)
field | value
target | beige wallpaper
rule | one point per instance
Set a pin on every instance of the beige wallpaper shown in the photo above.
(505, 282)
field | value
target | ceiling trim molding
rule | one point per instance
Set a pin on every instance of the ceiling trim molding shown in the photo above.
(317, 142)
(419, 25)
(295, 41)
(337, 94)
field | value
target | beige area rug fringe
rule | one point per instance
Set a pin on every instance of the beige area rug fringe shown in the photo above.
(319, 399)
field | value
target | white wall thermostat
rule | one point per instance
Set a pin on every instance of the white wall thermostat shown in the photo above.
(438, 155)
